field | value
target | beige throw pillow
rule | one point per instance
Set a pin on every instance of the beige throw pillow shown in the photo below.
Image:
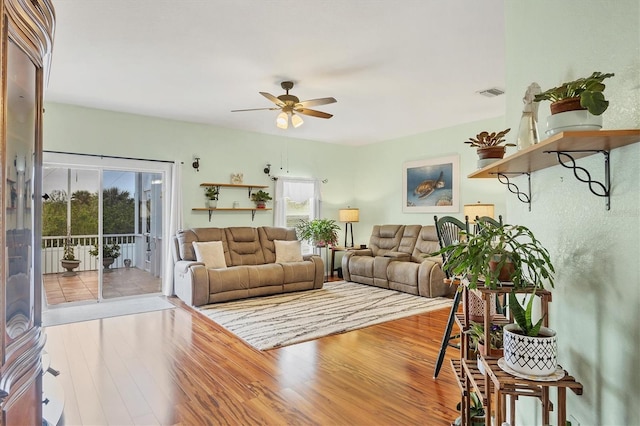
(288, 251)
(211, 253)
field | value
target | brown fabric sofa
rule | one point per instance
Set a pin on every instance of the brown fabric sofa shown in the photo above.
(251, 270)
(396, 260)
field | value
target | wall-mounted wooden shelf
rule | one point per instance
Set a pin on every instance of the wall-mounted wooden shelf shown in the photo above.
(563, 149)
(535, 158)
(229, 209)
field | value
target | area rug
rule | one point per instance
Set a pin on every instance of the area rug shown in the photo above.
(106, 309)
(281, 320)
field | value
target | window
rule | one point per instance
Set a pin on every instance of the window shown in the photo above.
(296, 199)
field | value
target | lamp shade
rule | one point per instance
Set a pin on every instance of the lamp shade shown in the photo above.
(478, 210)
(296, 120)
(349, 215)
(282, 121)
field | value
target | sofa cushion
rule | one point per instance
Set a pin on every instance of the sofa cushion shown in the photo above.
(244, 246)
(186, 237)
(288, 251)
(426, 244)
(210, 253)
(385, 238)
(268, 234)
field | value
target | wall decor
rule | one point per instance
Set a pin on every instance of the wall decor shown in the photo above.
(237, 178)
(431, 186)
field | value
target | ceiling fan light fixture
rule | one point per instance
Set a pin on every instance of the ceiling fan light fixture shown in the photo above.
(282, 121)
(296, 120)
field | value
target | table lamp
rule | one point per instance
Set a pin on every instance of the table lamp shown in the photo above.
(472, 211)
(348, 215)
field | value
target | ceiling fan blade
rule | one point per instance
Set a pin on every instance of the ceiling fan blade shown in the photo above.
(315, 102)
(254, 109)
(272, 99)
(313, 113)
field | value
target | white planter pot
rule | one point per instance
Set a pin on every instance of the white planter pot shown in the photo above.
(573, 120)
(212, 204)
(534, 356)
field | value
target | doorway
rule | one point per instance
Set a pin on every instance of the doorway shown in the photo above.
(109, 215)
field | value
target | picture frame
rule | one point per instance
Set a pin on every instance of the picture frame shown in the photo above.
(431, 185)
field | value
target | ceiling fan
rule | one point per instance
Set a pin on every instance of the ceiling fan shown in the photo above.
(291, 106)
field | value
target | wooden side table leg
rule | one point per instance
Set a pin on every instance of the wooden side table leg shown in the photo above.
(499, 408)
(487, 393)
(333, 261)
(512, 410)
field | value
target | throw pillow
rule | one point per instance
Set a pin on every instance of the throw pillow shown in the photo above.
(211, 253)
(288, 251)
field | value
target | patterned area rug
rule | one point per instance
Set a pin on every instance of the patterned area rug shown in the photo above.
(281, 320)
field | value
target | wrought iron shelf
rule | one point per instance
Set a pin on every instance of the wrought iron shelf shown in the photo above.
(567, 147)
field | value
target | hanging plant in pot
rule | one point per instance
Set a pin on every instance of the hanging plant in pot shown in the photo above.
(489, 146)
(577, 104)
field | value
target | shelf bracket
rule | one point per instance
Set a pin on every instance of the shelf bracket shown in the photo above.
(597, 188)
(210, 214)
(513, 188)
(250, 191)
(253, 215)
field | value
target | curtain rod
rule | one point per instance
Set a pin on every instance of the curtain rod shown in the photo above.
(109, 156)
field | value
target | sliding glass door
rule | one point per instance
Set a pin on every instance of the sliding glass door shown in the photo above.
(109, 217)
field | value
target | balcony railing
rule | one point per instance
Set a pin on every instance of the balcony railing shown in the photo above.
(132, 247)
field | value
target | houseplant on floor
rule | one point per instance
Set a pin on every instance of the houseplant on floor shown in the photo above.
(110, 252)
(577, 104)
(69, 261)
(260, 198)
(489, 146)
(212, 192)
(319, 232)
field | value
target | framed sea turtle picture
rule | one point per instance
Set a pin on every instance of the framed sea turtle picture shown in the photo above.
(431, 186)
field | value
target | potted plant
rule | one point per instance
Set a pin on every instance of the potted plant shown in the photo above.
(69, 261)
(260, 198)
(529, 349)
(212, 192)
(319, 232)
(477, 339)
(489, 146)
(110, 252)
(497, 254)
(476, 412)
(577, 104)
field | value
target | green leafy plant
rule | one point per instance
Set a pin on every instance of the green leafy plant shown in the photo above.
(318, 231)
(481, 257)
(476, 335)
(69, 252)
(523, 316)
(476, 411)
(211, 192)
(108, 250)
(260, 196)
(486, 139)
(588, 89)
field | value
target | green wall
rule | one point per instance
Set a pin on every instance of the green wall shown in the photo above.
(595, 251)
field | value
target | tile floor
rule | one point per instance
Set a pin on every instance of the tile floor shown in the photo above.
(84, 286)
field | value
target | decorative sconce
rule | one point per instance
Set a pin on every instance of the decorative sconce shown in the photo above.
(267, 171)
(196, 162)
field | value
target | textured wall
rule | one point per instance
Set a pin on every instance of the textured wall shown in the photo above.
(596, 252)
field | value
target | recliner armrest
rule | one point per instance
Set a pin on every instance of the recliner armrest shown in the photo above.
(183, 266)
(396, 255)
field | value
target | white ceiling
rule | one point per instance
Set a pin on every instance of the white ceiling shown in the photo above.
(396, 67)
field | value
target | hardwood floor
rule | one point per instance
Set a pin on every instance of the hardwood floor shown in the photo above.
(177, 367)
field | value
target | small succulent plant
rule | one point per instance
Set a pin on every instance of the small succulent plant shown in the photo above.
(486, 139)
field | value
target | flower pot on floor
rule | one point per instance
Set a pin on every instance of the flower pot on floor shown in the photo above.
(69, 265)
(107, 262)
(533, 356)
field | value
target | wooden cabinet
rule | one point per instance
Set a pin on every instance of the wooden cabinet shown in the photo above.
(27, 34)
(249, 189)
